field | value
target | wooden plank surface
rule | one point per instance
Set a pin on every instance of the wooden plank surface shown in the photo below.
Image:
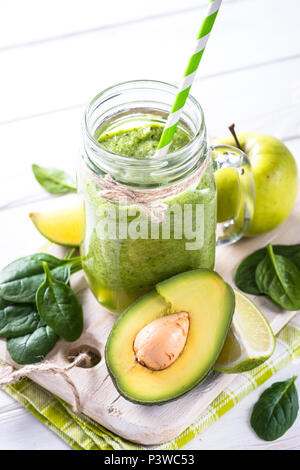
(60, 74)
(99, 398)
(250, 75)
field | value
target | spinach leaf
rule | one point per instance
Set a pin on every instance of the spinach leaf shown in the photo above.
(276, 410)
(17, 319)
(33, 347)
(245, 274)
(20, 280)
(53, 180)
(24, 289)
(292, 252)
(29, 266)
(59, 307)
(279, 278)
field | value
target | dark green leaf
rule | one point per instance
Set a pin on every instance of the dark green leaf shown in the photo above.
(245, 274)
(29, 266)
(276, 410)
(17, 319)
(279, 278)
(33, 347)
(292, 252)
(53, 180)
(24, 290)
(20, 280)
(59, 307)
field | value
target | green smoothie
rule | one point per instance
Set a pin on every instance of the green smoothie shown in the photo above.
(121, 269)
(141, 142)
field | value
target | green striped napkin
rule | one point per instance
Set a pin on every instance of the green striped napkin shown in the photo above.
(81, 433)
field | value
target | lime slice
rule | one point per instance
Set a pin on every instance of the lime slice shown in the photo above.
(250, 341)
(62, 226)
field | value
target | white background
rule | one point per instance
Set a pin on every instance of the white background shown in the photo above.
(56, 55)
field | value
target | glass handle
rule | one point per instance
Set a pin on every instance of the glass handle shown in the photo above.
(236, 211)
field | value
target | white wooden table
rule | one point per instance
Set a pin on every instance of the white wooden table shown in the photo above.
(56, 55)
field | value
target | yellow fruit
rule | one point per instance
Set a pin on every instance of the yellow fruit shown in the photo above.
(275, 176)
(62, 226)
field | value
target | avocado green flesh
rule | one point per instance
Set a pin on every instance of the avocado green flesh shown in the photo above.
(210, 304)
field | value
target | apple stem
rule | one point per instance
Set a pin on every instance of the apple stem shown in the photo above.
(231, 128)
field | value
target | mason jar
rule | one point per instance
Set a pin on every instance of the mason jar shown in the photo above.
(147, 219)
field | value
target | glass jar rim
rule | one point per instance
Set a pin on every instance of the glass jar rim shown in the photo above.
(148, 84)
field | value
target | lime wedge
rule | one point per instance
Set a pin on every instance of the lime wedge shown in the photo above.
(62, 226)
(250, 341)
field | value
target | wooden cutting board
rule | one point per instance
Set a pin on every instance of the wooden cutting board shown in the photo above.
(100, 400)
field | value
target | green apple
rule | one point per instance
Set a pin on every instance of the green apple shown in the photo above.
(275, 176)
(227, 182)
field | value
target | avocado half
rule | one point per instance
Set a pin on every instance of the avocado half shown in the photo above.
(210, 303)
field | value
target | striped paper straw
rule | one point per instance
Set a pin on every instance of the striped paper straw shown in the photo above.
(189, 77)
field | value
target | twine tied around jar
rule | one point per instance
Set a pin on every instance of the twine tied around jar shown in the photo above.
(10, 376)
(148, 200)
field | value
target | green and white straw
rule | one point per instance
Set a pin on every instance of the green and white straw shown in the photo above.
(189, 77)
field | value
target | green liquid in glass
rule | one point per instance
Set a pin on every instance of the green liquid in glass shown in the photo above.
(121, 270)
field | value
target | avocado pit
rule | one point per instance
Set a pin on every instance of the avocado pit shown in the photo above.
(160, 343)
